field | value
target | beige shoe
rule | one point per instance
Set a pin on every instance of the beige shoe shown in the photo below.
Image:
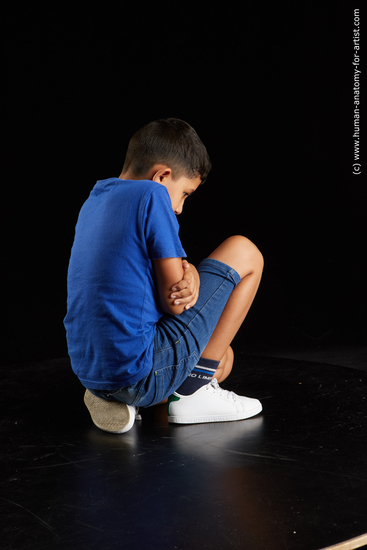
(110, 416)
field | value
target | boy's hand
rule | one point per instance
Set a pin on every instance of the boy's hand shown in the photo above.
(186, 292)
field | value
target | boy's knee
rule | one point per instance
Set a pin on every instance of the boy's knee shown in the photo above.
(249, 256)
(258, 258)
(251, 250)
(241, 254)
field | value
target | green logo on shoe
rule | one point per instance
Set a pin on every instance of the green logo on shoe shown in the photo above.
(170, 400)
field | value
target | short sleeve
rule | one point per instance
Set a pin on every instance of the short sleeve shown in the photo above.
(161, 227)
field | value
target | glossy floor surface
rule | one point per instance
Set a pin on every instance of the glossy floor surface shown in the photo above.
(294, 477)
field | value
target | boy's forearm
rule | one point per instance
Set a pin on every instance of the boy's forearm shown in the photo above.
(169, 272)
(178, 284)
(186, 292)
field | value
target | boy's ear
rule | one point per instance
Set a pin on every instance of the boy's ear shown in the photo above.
(161, 173)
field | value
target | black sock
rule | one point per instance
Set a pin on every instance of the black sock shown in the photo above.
(199, 376)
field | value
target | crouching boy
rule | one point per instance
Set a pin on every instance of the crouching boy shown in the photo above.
(142, 323)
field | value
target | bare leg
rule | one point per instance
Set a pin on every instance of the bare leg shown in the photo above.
(243, 256)
(225, 366)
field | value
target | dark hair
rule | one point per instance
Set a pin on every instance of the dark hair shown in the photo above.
(169, 141)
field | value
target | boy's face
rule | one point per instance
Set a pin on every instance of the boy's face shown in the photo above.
(179, 190)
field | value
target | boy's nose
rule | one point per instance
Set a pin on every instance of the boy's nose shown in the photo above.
(178, 210)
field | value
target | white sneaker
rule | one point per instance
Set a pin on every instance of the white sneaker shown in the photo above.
(110, 416)
(210, 404)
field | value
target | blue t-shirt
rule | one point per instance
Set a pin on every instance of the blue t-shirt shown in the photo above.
(113, 305)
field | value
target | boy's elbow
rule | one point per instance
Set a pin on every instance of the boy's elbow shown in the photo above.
(172, 309)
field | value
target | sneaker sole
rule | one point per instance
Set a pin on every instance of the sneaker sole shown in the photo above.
(214, 418)
(109, 416)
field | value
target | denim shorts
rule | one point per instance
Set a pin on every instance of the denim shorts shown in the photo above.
(180, 339)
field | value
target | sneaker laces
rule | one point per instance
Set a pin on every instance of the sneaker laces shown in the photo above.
(214, 385)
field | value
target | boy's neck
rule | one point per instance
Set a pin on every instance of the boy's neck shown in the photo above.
(126, 176)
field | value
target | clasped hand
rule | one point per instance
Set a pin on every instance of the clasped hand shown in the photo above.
(186, 292)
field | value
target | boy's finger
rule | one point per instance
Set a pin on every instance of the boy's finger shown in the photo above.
(185, 293)
(178, 286)
(192, 303)
(181, 285)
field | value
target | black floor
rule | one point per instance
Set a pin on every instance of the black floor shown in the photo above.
(295, 477)
(352, 356)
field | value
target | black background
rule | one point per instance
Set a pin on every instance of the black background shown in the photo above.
(269, 89)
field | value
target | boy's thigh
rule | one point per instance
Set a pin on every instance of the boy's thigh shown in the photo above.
(182, 335)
